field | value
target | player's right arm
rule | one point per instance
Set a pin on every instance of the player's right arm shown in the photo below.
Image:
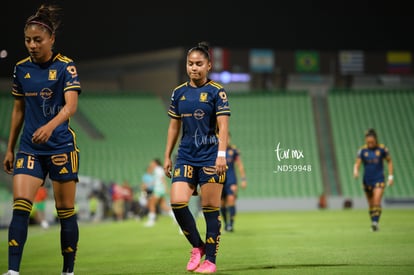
(172, 137)
(43, 133)
(15, 127)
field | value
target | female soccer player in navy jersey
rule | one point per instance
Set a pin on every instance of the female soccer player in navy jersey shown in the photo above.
(230, 189)
(46, 88)
(200, 106)
(372, 155)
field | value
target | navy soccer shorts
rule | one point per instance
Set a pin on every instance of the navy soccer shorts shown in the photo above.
(196, 175)
(369, 187)
(60, 167)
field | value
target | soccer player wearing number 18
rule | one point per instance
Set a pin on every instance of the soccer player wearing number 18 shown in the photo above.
(201, 107)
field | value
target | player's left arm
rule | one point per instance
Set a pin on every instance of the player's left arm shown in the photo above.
(222, 113)
(390, 169)
(223, 126)
(242, 171)
(42, 134)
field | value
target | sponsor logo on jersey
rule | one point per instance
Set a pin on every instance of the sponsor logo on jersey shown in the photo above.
(60, 159)
(209, 170)
(46, 93)
(199, 114)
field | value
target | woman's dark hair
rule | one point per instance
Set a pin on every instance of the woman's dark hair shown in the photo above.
(47, 16)
(202, 47)
(371, 133)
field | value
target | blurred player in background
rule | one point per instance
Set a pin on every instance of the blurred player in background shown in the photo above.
(229, 194)
(201, 107)
(158, 199)
(46, 89)
(372, 156)
(39, 207)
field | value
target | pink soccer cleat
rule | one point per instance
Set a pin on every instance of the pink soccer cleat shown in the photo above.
(206, 267)
(196, 254)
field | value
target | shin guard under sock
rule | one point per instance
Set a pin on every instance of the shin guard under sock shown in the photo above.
(375, 213)
(18, 231)
(185, 220)
(69, 236)
(223, 211)
(212, 217)
(232, 214)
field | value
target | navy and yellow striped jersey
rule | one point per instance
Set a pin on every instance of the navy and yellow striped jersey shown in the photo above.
(198, 109)
(42, 86)
(373, 161)
(232, 153)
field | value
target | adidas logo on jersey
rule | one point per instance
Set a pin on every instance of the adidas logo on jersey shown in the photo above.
(27, 75)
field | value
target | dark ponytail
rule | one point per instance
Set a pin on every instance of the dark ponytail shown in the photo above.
(371, 133)
(47, 16)
(202, 47)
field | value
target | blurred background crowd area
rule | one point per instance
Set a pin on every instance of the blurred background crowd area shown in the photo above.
(306, 76)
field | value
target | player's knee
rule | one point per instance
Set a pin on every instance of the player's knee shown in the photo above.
(64, 213)
(22, 204)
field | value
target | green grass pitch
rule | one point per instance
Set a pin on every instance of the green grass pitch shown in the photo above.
(285, 242)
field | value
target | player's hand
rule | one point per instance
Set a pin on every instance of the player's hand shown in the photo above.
(356, 171)
(8, 162)
(356, 174)
(390, 181)
(234, 188)
(221, 165)
(168, 167)
(243, 184)
(42, 134)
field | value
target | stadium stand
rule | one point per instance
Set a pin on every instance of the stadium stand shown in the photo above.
(119, 133)
(133, 130)
(259, 123)
(6, 106)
